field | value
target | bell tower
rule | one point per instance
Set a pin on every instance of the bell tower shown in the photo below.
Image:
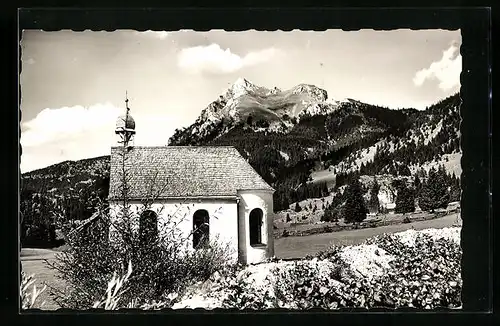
(125, 127)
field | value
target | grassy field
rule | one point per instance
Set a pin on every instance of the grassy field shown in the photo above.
(298, 247)
(33, 262)
(384, 219)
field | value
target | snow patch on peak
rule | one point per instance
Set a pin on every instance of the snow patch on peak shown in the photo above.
(312, 90)
(337, 102)
(242, 82)
(241, 87)
(319, 108)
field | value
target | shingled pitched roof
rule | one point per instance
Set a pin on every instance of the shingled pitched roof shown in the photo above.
(182, 171)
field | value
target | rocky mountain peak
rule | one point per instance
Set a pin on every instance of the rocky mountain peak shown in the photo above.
(241, 87)
(311, 90)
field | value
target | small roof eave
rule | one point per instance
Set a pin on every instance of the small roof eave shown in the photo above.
(226, 197)
(272, 190)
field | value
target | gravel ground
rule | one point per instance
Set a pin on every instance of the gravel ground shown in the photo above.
(367, 260)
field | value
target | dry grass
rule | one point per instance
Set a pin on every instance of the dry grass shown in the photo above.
(30, 293)
(43, 275)
(114, 291)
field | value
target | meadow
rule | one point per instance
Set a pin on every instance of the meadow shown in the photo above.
(301, 246)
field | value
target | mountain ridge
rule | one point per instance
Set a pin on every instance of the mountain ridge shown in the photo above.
(244, 99)
(286, 150)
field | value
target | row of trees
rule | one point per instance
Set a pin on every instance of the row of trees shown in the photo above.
(38, 227)
(437, 190)
(432, 191)
(42, 212)
(284, 197)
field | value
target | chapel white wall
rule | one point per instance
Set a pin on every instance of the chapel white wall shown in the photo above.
(223, 220)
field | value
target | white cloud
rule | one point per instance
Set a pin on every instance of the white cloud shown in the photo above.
(74, 133)
(51, 124)
(214, 59)
(446, 71)
(29, 61)
(158, 34)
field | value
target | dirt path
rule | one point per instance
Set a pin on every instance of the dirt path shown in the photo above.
(28, 254)
(298, 247)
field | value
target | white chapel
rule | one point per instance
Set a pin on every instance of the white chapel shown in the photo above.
(209, 192)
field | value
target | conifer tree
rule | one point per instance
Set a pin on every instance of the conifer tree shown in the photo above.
(455, 190)
(285, 203)
(405, 200)
(417, 184)
(444, 187)
(330, 214)
(325, 189)
(434, 192)
(426, 199)
(297, 207)
(355, 208)
(374, 202)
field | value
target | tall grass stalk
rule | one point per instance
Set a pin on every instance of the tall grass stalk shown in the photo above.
(29, 298)
(116, 287)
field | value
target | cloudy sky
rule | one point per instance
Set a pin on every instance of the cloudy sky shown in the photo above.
(73, 83)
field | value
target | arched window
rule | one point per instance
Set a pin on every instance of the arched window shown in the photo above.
(148, 227)
(256, 226)
(201, 229)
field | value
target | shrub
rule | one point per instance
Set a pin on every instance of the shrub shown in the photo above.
(160, 267)
(307, 284)
(422, 273)
(114, 291)
(425, 274)
(107, 243)
(298, 285)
